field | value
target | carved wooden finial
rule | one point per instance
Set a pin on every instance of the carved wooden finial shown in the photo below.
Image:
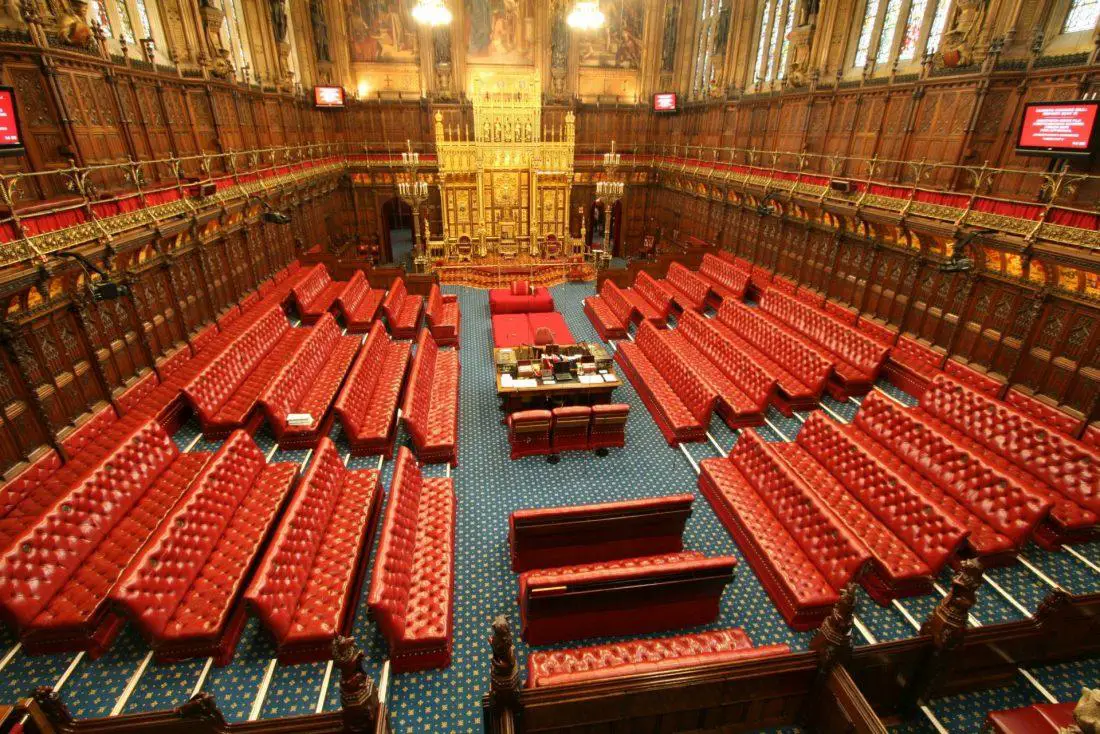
(49, 703)
(202, 707)
(947, 625)
(834, 638)
(504, 680)
(358, 694)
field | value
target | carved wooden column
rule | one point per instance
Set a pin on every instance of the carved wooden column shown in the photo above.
(8, 335)
(833, 645)
(501, 705)
(1030, 330)
(139, 325)
(956, 330)
(947, 628)
(166, 266)
(79, 311)
(358, 695)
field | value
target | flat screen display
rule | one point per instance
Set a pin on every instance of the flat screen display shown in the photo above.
(665, 102)
(11, 137)
(328, 96)
(1058, 128)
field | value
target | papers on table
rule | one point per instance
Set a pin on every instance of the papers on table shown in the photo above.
(609, 377)
(590, 379)
(299, 419)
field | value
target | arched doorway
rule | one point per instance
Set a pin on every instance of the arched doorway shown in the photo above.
(397, 231)
(598, 222)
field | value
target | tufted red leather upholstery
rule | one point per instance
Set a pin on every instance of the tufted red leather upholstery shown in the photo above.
(800, 370)
(640, 657)
(801, 550)
(677, 397)
(224, 394)
(741, 387)
(306, 587)
(316, 293)
(308, 383)
(55, 577)
(608, 426)
(183, 590)
(850, 317)
(360, 303)
(1038, 718)
(760, 278)
(603, 599)
(367, 404)
(430, 411)
(910, 538)
(1091, 436)
(402, 311)
(1046, 463)
(995, 499)
(444, 317)
(520, 288)
(649, 299)
(515, 329)
(974, 379)
(502, 301)
(610, 312)
(412, 587)
(571, 424)
(725, 280)
(856, 358)
(1041, 412)
(912, 364)
(529, 433)
(555, 536)
(686, 289)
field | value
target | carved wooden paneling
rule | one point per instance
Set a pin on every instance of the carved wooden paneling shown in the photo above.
(1064, 361)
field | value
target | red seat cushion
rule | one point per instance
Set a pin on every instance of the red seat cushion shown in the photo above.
(511, 330)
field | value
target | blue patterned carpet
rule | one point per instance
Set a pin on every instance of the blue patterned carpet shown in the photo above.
(490, 486)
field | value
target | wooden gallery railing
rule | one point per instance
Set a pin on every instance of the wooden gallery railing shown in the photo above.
(362, 710)
(833, 687)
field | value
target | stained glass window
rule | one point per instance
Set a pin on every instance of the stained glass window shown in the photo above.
(939, 22)
(776, 24)
(143, 17)
(763, 51)
(912, 30)
(886, 36)
(127, 30)
(863, 46)
(99, 13)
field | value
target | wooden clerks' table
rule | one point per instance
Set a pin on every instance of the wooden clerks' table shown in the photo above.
(519, 391)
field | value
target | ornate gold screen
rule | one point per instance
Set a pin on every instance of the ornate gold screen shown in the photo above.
(506, 189)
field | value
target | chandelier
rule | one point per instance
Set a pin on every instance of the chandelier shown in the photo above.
(432, 13)
(412, 190)
(585, 15)
(610, 189)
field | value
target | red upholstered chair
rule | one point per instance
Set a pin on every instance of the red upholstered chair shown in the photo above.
(608, 427)
(1042, 718)
(529, 433)
(521, 288)
(543, 336)
(570, 431)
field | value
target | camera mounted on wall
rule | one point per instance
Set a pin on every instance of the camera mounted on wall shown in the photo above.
(271, 215)
(104, 289)
(958, 262)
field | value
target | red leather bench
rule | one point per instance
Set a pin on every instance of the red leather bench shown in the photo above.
(444, 317)
(974, 379)
(850, 317)
(686, 289)
(800, 371)
(910, 538)
(225, 393)
(402, 310)
(183, 591)
(430, 411)
(558, 536)
(649, 299)
(1044, 413)
(306, 588)
(56, 575)
(857, 360)
(360, 303)
(520, 297)
(639, 657)
(308, 383)
(802, 552)
(760, 279)
(412, 587)
(1000, 511)
(726, 280)
(316, 293)
(367, 404)
(677, 397)
(622, 597)
(609, 312)
(1046, 463)
(742, 388)
(1038, 718)
(912, 364)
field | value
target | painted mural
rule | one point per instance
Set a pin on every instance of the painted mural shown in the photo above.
(500, 31)
(381, 30)
(618, 45)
